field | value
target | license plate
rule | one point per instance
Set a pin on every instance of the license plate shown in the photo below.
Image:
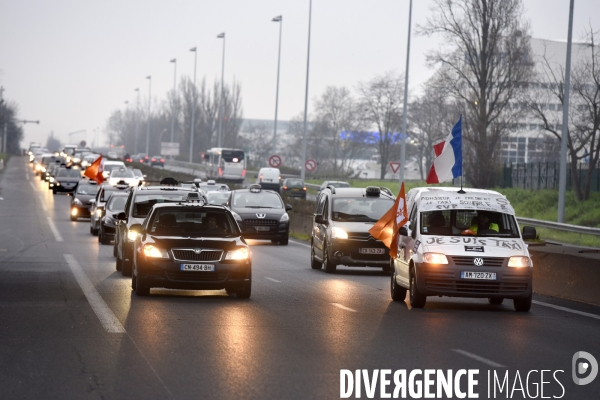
(365, 250)
(197, 267)
(490, 276)
(262, 228)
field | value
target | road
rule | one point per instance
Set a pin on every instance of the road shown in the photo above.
(73, 329)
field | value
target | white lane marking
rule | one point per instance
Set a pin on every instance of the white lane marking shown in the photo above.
(343, 307)
(301, 244)
(55, 231)
(103, 312)
(479, 358)
(43, 203)
(33, 186)
(570, 310)
(272, 280)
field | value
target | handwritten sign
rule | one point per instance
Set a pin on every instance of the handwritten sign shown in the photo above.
(474, 241)
(475, 201)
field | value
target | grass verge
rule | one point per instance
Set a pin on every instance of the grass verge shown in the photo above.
(300, 236)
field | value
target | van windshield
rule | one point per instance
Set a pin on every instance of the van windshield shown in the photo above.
(468, 223)
(360, 209)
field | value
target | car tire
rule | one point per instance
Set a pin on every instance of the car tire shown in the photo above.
(417, 300)
(284, 240)
(73, 218)
(94, 231)
(133, 281)
(141, 287)
(387, 269)
(329, 267)
(245, 291)
(314, 264)
(126, 269)
(398, 292)
(495, 300)
(53, 191)
(103, 239)
(99, 237)
(119, 263)
(523, 305)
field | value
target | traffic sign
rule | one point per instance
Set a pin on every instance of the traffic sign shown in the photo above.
(395, 166)
(275, 161)
(82, 143)
(310, 165)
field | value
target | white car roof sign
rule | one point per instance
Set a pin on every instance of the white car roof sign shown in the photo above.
(467, 201)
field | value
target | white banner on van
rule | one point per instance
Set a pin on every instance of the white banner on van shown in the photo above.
(467, 201)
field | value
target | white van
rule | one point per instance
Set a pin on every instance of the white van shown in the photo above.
(462, 245)
(269, 178)
(108, 166)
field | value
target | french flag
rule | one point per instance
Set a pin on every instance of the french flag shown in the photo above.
(448, 157)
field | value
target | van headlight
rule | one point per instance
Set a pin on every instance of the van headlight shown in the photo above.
(519, 262)
(238, 254)
(284, 218)
(338, 233)
(153, 251)
(132, 235)
(435, 258)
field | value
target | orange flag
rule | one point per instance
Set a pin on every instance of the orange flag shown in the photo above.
(386, 229)
(94, 171)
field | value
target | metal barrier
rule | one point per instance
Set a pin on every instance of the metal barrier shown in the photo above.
(560, 226)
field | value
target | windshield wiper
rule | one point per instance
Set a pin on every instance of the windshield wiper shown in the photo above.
(258, 207)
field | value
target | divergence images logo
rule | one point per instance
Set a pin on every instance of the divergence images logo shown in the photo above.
(580, 367)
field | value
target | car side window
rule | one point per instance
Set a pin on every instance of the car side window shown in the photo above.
(128, 204)
(326, 208)
(320, 204)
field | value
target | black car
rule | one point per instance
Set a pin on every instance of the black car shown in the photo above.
(293, 187)
(157, 160)
(340, 234)
(66, 180)
(81, 203)
(191, 245)
(138, 205)
(102, 196)
(115, 204)
(261, 214)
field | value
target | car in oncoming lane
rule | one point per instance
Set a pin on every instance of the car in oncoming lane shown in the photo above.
(191, 245)
(293, 187)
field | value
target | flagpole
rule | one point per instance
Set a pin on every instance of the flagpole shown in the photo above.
(462, 124)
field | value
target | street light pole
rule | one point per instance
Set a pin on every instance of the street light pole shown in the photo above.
(174, 61)
(149, 77)
(303, 166)
(194, 108)
(221, 36)
(562, 176)
(137, 119)
(280, 20)
(403, 134)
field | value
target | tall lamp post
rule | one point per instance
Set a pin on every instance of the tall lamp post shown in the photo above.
(137, 119)
(5, 134)
(174, 61)
(194, 107)
(149, 77)
(221, 36)
(404, 135)
(280, 20)
(303, 166)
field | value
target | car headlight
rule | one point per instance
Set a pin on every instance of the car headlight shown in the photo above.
(338, 233)
(99, 212)
(43, 169)
(132, 235)
(284, 218)
(238, 254)
(77, 201)
(51, 179)
(84, 163)
(76, 160)
(435, 258)
(518, 262)
(57, 183)
(153, 251)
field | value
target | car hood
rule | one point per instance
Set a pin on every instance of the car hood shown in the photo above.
(474, 246)
(84, 199)
(67, 179)
(170, 242)
(353, 226)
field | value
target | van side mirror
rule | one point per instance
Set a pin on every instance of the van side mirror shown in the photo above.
(529, 233)
(288, 207)
(403, 231)
(121, 216)
(320, 220)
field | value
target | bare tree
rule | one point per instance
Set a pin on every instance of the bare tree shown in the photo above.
(485, 55)
(8, 114)
(258, 137)
(381, 104)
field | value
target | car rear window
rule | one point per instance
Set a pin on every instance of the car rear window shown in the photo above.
(232, 156)
(143, 203)
(69, 173)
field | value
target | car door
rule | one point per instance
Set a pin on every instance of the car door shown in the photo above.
(121, 230)
(318, 231)
(406, 248)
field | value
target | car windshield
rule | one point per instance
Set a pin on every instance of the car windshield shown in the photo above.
(86, 189)
(68, 173)
(189, 222)
(256, 200)
(295, 183)
(468, 223)
(116, 203)
(360, 209)
(143, 203)
(122, 173)
(217, 197)
(138, 173)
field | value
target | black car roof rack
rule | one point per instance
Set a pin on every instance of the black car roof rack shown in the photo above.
(255, 188)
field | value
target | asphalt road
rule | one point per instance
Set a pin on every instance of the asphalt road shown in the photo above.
(71, 328)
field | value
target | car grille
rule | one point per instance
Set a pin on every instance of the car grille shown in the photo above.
(487, 261)
(444, 281)
(195, 276)
(260, 222)
(359, 236)
(204, 255)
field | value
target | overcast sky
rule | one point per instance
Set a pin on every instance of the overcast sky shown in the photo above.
(70, 63)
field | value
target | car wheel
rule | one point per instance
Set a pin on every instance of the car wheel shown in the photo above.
(133, 281)
(126, 269)
(314, 264)
(94, 231)
(329, 267)
(141, 287)
(73, 218)
(495, 300)
(119, 264)
(53, 191)
(245, 291)
(103, 238)
(417, 300)
(523, 305)
(387, 269)
(398, 292)
(284, 240)
(99, 237)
